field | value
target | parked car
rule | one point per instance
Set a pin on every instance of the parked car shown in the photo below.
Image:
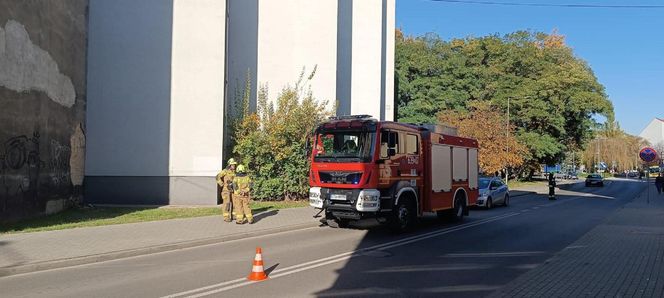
(492, 191)
(594, 179)
(633, 174)
(571, 175)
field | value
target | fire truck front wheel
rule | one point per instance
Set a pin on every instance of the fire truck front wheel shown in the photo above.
(403, 217)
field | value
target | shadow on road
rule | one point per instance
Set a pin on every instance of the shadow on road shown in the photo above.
(269, 270)
(8, 256)
(478, 256)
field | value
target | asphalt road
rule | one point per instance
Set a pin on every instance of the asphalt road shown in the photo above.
(473, 258)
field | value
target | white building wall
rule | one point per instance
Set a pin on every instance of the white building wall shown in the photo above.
(129, 76)
(654, 132)
(294, 35)
(197, 91)
(389, 41)
(366, 67)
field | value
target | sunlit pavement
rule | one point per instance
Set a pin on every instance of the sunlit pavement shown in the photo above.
(492, 252)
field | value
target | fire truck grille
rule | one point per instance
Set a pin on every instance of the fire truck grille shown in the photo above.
(340, 177)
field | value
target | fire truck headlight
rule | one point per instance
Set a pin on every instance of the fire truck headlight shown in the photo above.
(315, 199)
(368, 200)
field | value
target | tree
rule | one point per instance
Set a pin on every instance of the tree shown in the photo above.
(489, 127)
(272, 141)
(613, 146)
(553, 94)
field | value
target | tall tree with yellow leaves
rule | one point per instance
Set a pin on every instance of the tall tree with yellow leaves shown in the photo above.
(489, 126)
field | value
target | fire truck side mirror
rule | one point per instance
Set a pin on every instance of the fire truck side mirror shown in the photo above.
(391, 152)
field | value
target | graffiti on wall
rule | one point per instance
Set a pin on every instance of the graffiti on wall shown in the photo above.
(20, 165)
(59, 163)
(25, 168)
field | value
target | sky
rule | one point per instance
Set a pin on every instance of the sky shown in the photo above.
(624, 47)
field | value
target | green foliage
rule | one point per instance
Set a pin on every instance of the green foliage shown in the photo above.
(272, 141)
(553, 94)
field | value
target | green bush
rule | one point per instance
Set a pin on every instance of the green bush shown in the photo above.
(271, 142)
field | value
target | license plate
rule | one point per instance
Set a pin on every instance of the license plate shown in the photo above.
(338, 197)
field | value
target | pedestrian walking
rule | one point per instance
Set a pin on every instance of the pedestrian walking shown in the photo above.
(659, 183)
(225, 181)
(552, 187)
(242, 187)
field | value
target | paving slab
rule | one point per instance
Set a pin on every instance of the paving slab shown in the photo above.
(28, 252)
(622, 257)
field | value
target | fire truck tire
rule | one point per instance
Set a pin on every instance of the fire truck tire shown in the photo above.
(459, 209)
(337, 223)
(403, 217)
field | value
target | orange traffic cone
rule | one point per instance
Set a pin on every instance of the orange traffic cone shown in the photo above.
(257, 271)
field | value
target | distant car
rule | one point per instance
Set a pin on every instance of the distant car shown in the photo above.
(571, 175)
(492, 191)
(594, 179)
(633, 174)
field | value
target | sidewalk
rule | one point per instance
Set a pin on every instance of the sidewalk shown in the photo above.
(22, 253)
(622, 257)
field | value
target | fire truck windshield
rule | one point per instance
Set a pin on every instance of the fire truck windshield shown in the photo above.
(344, 146)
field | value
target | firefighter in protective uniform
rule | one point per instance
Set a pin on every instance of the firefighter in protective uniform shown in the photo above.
(552, 187)
(242, 186)
(225, 181)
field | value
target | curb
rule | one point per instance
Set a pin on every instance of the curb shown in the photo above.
(525, 193)
(70, 262)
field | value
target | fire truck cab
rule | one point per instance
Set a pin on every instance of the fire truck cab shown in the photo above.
(393, 172)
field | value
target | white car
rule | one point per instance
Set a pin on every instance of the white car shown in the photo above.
(493, 191)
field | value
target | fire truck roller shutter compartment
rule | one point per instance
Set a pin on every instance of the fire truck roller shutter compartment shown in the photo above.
(473, 169)
(441, 168)
(459, 164)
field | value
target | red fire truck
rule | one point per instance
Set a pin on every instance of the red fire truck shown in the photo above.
(394, 172)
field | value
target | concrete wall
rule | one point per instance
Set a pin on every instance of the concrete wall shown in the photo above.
(242, 52)
(42, 103)
(129, 81)
(197, 91)
(350, 44)
(344, 55)
(156, 107)
(298, 35)
(166, 78)
(365, 60)
(197, 100)
(389, 28)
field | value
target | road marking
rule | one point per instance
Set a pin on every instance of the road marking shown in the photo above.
(495, 254)
(453, 267)
(240, 282)
(460, 289)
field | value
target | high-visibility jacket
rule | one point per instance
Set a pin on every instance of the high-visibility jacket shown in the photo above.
(224, 178)
(242, 184)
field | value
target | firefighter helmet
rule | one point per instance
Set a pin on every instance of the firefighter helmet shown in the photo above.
(232, 162)
(241, 169)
